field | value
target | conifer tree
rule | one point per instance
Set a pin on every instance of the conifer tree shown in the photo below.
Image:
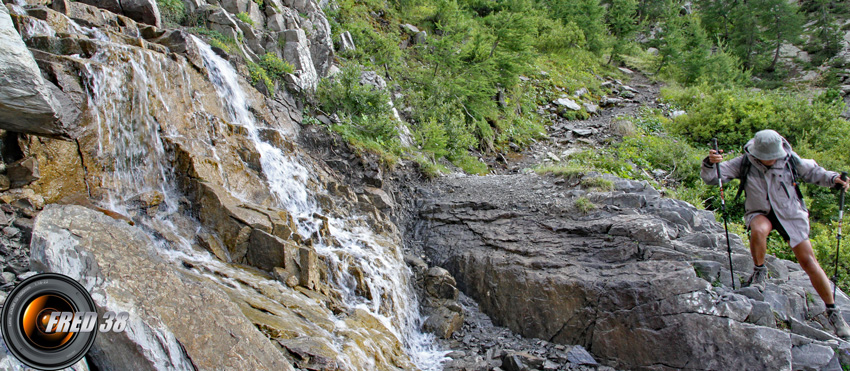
(622, 24)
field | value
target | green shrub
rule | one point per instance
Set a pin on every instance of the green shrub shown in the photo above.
(173, 11)
(470, 164)
(276, 67)
(584, 205)
(366, 119)
(734, 115)
(244, 17)
(259, 75)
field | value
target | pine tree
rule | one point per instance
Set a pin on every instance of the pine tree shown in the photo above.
(622, 24)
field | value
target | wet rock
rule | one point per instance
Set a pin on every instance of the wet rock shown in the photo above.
(27, 104)
(98, 251)
(380, 199)
(440, 284)
(443, 322)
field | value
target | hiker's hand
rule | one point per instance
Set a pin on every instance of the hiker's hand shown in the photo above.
(843, 183)
(715, 157)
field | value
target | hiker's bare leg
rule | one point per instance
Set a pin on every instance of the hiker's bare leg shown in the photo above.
(806, 258)
(760, 227)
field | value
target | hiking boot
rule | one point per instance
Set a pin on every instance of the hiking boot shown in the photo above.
(837, 321)
(759, 278)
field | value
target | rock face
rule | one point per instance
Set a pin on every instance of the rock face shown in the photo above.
(169, 310)
(27, 104)
(620, 281)
(143, 11)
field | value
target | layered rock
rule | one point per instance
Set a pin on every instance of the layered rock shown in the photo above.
(27, 102)
(621, 280)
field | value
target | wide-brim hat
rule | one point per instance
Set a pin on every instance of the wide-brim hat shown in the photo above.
(767, 145)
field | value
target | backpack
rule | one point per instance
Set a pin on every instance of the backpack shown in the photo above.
(745, 170)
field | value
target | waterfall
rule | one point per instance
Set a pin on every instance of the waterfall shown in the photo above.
(125, 86)
(393, 300)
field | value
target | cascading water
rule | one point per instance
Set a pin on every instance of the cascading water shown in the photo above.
(392, 299)
(125, 86)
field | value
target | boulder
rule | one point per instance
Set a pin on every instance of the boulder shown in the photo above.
(27, 102)
(142, 11)
(118, 264)
(568, 103)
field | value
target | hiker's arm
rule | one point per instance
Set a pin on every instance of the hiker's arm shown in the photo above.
(810, 172)
(728, 170)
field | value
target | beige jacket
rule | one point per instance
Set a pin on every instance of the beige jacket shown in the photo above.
(773, 188)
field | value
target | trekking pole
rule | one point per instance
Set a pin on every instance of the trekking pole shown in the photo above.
(723, 210)
(838, 238)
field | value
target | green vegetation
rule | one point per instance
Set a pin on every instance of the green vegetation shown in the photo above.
(173, 11)
(244, 17)
(275, 67)
(473, 89)
(597, 184)
(259, 76)
(584, 205)
(570, 171)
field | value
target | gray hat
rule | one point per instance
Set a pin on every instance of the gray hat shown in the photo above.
(767, 145)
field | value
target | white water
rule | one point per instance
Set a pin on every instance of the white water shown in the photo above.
(123, 94)
(387, 277)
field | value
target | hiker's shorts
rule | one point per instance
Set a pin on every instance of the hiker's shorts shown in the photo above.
(778, 226)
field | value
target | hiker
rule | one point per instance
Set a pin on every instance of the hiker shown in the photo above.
(774, 202)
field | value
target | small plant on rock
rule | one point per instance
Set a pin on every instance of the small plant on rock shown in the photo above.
(244, 17)
(584, 205)
(598, 184)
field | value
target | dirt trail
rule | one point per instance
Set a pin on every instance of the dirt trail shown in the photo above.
(567, 137)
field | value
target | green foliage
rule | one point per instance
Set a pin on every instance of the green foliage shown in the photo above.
(588, 15)
(259, 76)
(366, 119)
(687, 57)
(173, 11)
(584, 205)
(469, 164)
(216, 39)
(734, 115)
(276, 68)
(598, 184)
(244, 17)
(826, 39)
(568, 171)
(754, 29)
(622, 23)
